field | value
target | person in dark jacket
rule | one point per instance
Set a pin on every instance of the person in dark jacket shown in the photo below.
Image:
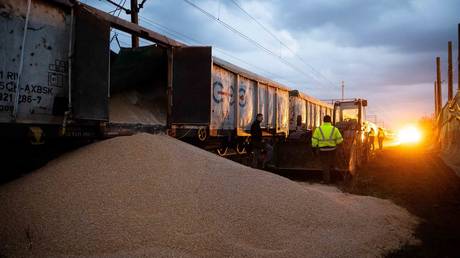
(256, 131)
(261, 151)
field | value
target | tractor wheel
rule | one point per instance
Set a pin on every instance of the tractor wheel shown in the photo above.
(354, 160)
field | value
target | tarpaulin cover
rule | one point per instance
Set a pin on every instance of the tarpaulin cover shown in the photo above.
(449, 133)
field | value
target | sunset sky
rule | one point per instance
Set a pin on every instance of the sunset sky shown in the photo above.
(384, 50)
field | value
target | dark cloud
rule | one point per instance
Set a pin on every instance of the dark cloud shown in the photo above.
(403, 25)
(177, 15)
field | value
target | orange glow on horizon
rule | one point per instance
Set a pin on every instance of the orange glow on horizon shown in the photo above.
(409, 135)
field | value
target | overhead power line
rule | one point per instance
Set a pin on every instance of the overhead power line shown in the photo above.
(141, 5)
(226, 53)
(281, 42)
(256, 43)
(118, 9)
(189, 40)
(119, 6)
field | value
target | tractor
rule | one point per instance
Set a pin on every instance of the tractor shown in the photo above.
(296, 152)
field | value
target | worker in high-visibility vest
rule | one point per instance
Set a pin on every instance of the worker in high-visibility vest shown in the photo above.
(371, 139)
(380, 137)
(325, 139)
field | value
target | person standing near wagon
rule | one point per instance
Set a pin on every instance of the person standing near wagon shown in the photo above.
(261, 150)
(256, 139)
(326, 138)
(380, 137)
(371, 139)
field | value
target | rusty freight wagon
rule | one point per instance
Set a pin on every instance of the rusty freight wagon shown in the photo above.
(72, 85)
(306, 112)
(231, 99)
(55, 74)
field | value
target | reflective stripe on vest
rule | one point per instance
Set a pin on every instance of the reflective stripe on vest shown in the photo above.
(327, 148)
(330, 136)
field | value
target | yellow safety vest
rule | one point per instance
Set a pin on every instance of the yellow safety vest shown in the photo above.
(326, 137)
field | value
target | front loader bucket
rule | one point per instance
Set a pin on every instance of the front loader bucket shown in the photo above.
(296, 153)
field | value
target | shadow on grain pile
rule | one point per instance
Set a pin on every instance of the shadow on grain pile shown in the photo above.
(154, 195)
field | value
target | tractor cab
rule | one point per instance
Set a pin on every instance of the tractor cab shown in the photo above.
(350, 112)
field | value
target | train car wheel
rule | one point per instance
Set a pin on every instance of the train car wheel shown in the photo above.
(222, 151)
(241, 148)
(202, 134)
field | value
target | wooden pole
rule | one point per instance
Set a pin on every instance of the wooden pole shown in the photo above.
(458, 59)
(135, 20)
(436, 111)
(450, 79)
(438, 84)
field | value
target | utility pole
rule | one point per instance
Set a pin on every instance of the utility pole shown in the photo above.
(458, 58)
(343, 90)
(436, 111)
(135, 20)
(450, 79)
(438, 84)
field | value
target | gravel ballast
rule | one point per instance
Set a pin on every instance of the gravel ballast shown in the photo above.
(152, 195)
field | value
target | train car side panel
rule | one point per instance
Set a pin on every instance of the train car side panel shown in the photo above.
(282, 119)
(303, 111)
(263, 103)
(191, 81)
(44, 79)
(247, 93)
(90, 87)
(222, 99)
(271, 108)
(297, 107)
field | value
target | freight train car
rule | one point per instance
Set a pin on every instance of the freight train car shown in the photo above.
(306, 112)
(55, 71)
(232, 97)
(34, 41)
(59, 80)
(72, 85)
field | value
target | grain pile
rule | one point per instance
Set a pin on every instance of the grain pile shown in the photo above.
(132, 107)
(150, 195)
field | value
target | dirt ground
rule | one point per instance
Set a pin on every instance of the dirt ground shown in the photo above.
(418, 180)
